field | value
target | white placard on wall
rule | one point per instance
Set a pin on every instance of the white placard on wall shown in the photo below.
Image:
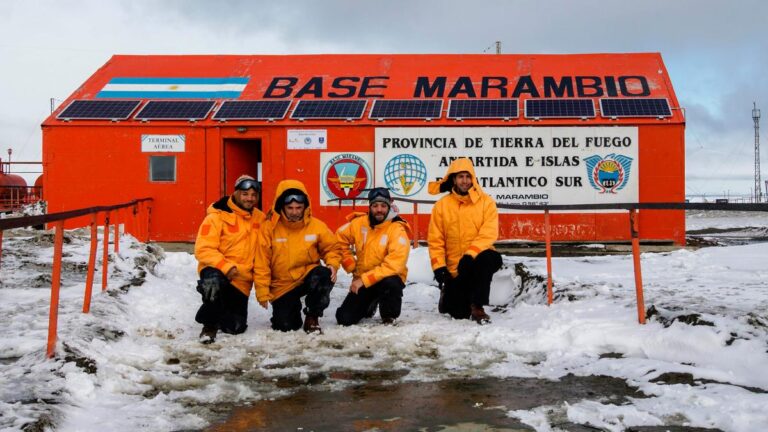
(515, 165)
(163, 143)
(307, 139)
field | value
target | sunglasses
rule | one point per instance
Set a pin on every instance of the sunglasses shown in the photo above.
(248, 184)
(301, 199)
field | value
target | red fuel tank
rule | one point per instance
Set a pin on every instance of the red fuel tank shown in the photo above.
(12, 187)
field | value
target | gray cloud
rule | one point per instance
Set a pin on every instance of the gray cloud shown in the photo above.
(714, 50)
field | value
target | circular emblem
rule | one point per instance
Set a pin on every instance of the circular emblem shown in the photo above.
(610, 173)
(405, 175)
(307, 140)
(345, 176)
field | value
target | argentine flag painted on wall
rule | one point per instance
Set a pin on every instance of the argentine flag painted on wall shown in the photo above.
(174, 88)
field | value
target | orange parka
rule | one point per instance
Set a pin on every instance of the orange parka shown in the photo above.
(227, 238)
(460, 225)
(288, 251)
(379, 251)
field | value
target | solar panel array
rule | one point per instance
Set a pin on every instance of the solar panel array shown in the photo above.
(355, 109)
(559, 108)
(406, 109)
(482, 108)
(635, 107)
(175, 110)
(99, 110)
(329, 109)
(252, 110)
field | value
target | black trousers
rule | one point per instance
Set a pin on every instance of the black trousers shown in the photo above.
(286, 311)
(387, 294)
(229, 313)
(472, 287)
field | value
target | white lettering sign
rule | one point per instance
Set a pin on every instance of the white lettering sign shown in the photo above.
(514, 165)
(307, 139)
(163, 143)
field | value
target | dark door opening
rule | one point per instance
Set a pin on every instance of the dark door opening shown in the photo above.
(241, 156)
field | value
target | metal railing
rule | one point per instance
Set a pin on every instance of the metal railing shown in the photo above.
(13, 198)
(139, 212)
(634, 231)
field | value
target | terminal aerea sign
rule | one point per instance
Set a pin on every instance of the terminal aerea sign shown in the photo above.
(515, 165)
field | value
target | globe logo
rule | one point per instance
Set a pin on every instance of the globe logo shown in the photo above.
(405, 175)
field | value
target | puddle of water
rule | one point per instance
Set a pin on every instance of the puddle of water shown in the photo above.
(451, 405)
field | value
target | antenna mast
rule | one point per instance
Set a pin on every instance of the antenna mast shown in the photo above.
(756, 119)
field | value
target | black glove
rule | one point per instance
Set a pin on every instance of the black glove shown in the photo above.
(465, 265)
(209, 288)
(442, 275)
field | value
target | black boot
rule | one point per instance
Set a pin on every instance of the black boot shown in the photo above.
(479, 316)
(208, 335)
(312, 324)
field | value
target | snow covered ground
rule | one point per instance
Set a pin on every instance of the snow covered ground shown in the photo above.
(135, 362)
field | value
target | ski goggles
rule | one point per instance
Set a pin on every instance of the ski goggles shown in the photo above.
(248, 184)
(299, 198)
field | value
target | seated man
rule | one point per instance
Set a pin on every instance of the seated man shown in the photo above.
(463, 227)
(225, 247)
(375, 249)
(287, 264)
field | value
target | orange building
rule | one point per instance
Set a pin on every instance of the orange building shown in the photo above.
(541, 129)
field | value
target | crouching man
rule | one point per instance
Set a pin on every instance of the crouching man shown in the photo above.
(287, 264)
(225, 250)
(463, 227)
(375, 248)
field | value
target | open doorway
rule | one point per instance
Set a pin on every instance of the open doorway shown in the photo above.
(241, 156)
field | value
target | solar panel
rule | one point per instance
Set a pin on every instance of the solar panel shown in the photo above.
(559, 108)
(99, 110)
(327, 109)
(175, 110)
(482, 108)
(635, 107)
(406, 109)
(252, 110)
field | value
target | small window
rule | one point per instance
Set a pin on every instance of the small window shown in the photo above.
(162, 168)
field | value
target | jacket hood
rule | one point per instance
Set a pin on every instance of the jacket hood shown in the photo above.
(283, 186)
(446, 183)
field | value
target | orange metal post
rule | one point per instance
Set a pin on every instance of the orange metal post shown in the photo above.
(53, 317)
(548, 240)
(415, 225)
(116, 224)
(105, 258)
(149, 219)
(91, 264)
(638, 273)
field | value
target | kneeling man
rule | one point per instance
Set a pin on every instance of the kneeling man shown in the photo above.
(375, 248)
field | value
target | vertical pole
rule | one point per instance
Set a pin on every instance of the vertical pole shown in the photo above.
(116, 224)
(149, 219)
(145, 221)
(548, 241)
(140, 221)
(638, 273)
(91, 264)
(415, 225)
(105, 257)
(1, 246)
(53, 316)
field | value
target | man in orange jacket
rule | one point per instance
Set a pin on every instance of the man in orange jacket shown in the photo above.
(225, 250)
(380, 240)
(463, 227)
(287, 266)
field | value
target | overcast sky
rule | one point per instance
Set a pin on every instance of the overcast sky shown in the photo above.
(715, 52)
